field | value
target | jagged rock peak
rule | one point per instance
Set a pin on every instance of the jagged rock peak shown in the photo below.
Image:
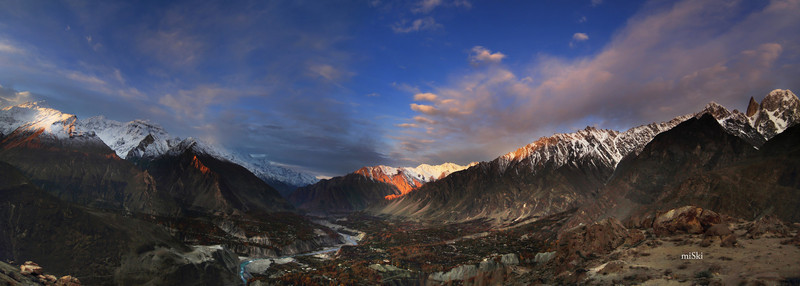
(752, 107)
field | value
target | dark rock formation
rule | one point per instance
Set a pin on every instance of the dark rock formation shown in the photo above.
(342, 194)
(752, 107)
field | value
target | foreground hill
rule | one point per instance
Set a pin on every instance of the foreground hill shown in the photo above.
(98, 247)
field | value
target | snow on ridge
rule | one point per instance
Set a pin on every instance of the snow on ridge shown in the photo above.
(124, 138)
(34, 116)
(779, 110)
(603, 146)
(128, 138)
(424, 173)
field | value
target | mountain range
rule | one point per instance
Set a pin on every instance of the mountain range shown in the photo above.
(368, 185)
(134, 212)
(574, 170)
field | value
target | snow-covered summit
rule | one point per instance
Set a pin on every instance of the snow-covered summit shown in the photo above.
(601, 146)
(423, 173)
(267, 170)
(138, 138)
(36, 116)
(145, 139)
(407, 179)
(779, 110)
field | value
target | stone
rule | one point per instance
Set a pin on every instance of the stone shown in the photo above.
(543, 257)
(30, 268)
(68, 281)
(509, 259)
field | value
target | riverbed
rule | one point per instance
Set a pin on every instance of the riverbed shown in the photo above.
(244, 274)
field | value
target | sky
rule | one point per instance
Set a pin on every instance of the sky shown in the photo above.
(327, 87)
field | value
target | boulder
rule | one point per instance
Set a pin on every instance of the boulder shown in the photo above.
(543, 257)
(768, 225)
(48, 279)
(509, 259)
(30, 268)
(68, 281)
(462, 272)
(585, 242)
(688, 219)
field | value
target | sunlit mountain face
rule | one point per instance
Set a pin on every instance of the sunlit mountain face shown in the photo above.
(406, 143)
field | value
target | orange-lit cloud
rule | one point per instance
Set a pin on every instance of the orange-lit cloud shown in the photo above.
(481, 54)
(426, 109)
(425, 97)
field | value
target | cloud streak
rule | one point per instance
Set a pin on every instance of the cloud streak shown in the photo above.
(421, 24)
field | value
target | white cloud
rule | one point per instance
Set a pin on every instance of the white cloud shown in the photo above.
(426, 109)
(11, 97)
(596, 2)
(422, 24)
(580, 37)
(329, 72)
(582, 19)
(425, 97)
(481, 54)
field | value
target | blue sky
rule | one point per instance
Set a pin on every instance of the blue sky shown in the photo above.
(330, 86)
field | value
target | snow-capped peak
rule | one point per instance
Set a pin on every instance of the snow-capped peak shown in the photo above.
(601, 146)
(145, 139)
(265, 169)
(407, 179)
(779, 110)
(423, 173)
(35, 116)
(130, 138)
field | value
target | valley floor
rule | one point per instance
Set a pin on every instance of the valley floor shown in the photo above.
(397, 252)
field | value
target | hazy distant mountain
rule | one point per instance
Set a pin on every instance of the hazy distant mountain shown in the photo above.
(141, 139)
(566, 170)
(368, 185)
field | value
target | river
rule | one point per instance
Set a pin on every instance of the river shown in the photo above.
(244, 274)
